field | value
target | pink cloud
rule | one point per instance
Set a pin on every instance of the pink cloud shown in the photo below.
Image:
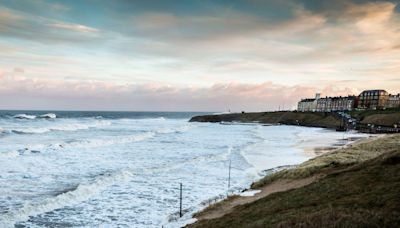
(19, 92)
(74, 27)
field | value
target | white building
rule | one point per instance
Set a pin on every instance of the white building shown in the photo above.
(308, 104)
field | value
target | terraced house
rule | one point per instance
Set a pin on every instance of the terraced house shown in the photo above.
(394, 101)
(368, 99)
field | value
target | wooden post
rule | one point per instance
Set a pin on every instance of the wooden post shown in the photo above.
(180, 201)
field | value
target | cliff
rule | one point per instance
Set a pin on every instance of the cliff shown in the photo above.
(310, 119)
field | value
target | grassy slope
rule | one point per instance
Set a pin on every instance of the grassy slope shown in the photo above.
(293, 118)
(361, 193)
(386, 117)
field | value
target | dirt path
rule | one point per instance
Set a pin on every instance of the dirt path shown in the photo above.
(278, 186)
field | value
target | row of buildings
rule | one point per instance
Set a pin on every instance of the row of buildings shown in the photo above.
(368, 99)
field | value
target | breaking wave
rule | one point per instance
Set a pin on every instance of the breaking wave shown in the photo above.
(48, 116)
(82, 192)
(100, 142)
(66, 127)
(31, 117)
(25, 116)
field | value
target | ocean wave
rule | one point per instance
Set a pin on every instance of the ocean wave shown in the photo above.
(100, 142)
(66, 127)
(110, 141)
(82, 192)
(24, 116)
(48, 116)
(97, 142)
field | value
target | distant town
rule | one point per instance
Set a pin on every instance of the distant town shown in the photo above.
(368, 99)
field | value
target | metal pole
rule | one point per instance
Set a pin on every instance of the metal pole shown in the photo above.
(180, 201)
(229, 175)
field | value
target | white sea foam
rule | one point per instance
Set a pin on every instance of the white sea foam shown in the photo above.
(9, 154)
(100, 142)
(91, 143)
(83, 192)
(61, 127)
(48, 116)
(250, 193)
(24, 116)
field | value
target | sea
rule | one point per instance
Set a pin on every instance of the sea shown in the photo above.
(125, 169)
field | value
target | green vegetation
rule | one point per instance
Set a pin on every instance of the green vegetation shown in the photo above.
(361, 189)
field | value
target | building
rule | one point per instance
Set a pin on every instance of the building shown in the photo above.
(373, 99)
(368, 99)
(393, 101)
(308, 104)
(329, 104)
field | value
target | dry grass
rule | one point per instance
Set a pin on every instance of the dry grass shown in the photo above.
(215, 206)
(382, 119)
(353, 154)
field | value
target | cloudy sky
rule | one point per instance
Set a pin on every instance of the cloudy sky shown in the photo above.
(193, 55)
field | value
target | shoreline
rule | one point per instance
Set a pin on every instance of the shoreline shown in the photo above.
(226, 205)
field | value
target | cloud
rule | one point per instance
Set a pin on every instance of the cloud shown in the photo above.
(221, 49)
(74, 27)
(94, 95)
(17, 24)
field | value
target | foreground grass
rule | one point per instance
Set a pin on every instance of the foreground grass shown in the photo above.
(364, 191)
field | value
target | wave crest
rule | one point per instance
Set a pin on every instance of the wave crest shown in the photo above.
(83, 192)
(66, 127)
(48, 116)
(24, 116)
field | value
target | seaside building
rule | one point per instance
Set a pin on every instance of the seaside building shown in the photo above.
(329, 104)
(308, 104)
(373, 99)
(368, 99)
(393, 101)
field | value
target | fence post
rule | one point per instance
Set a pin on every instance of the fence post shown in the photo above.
(180, 201)
(229, 175)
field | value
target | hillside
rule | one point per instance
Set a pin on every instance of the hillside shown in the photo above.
(384, 118)
(310, 119)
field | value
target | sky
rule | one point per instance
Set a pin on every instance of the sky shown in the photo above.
(193, 55)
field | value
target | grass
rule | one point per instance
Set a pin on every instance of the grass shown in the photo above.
(340, 158)
(364, 191)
